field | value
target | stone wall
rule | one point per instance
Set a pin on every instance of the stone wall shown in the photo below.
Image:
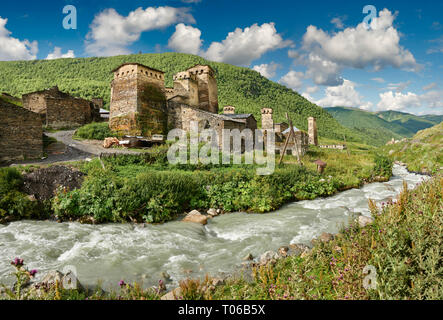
(67, 113)
(267, 122)
(181, 115)
(336, 147)
(138, 101)
(35, 103)
(207, 87)
(229, 110)
(312, 130)
(61, 110)
(186, 85)
(302, 146)
(21, 133)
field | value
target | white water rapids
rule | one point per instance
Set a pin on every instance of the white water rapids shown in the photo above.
(115, 252)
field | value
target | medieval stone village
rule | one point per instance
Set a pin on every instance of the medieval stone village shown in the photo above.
(142, 110)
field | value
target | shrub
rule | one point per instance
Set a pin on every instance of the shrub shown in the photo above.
(94, 131)
(15, 205)
(383, 166)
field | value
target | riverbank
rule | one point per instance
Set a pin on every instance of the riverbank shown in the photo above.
(404, 233)
(146, 189)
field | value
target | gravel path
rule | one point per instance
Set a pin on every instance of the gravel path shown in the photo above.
(67, 149)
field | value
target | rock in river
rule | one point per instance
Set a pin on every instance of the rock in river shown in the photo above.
(196, 217)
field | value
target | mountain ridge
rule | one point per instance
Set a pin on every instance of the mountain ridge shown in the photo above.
(385, 125)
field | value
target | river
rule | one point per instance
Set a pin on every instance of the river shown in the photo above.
(114, 252)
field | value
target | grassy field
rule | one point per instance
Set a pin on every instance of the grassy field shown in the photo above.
(423, 153)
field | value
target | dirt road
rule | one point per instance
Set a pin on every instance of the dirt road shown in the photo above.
(67, 149)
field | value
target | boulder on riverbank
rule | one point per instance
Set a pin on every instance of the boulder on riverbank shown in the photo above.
(196, 217)
(268, 257)
(67, 281)
(365, 221)
(213, 212)
(173, 295)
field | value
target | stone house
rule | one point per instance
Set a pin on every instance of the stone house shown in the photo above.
(181, 116)
(60, 110)
(247, 118)
(141, 105)
(282, 131)
(21, 133)
(281, 127)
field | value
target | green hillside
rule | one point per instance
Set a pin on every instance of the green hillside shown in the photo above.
(244, 88)
(409, 121)
(377, 130)
(422, 153)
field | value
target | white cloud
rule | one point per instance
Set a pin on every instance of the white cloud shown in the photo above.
(311, 90)
(191, 1)
(430, 86)
(344, 95)
(241, 47)
(57, 54)
(186, 39)
(323, 72)
(438, 47)
(111, 34)
(433, 99)
(338, 23)
(14, 49)
(398, 87)
(293, 54)
(398, 101)
(379, 80)
(267, 70)
(377, 47)
(292, 80)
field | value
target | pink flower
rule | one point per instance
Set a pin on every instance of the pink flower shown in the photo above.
(18, 262)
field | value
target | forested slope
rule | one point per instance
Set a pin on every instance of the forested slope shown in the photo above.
(241, 87)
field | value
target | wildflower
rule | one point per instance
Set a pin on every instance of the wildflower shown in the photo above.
(33, 272)
(18, 262)
(122, 283)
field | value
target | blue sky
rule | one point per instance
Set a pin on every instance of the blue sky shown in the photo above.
(321, 49)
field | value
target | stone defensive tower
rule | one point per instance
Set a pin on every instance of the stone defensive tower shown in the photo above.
(312, 130)
(186, 85)
(229, 110)
(267, 122)
(138, 101)
(207, 87)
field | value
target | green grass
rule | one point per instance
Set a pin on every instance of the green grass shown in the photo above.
(423, 153)
(244, 88)
(94, 131)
